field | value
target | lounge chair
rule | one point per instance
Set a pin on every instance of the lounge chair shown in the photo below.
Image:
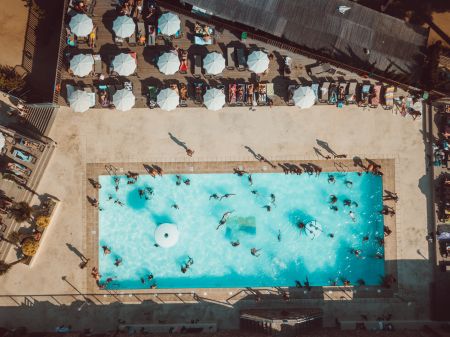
(232, 94)
(351, 94)
(341, 94)
(240, 94)
(24, 156)
(184, 62)
(389, 98)
(183, 95)
(315, 89)
(197, 66)
(104, 96)
(140, 34)
(240, 57)
(91, 93)
(262, 94)
(151, 37)
(251, 93)
(322, 68)
(324, 92)
(30, 144)
(132, 38)
(287, 65)
(19, 169)
(365, 95)
(333, 95)
(375, 98)
(291, 89)
(152, 93)
(230, 58)
(270, 90)
(97, 64)
(198, 89)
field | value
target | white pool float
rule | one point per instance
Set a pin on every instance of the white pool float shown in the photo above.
(167, 235)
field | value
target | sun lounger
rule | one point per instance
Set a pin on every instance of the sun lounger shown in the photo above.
(91, 94)
(365, 94)
(262, 94)
(351, 94)
(151, 37)
(197, 66)
(97, 64)
(291, 89)
(132, 40)
(104, 96)
(251, 93)
(389, 98)
(287, 65)
(198, 89)
(19, 169)
(333, 94)
(140, 34)
(240, 94)
(270, 90)
(232, 94)
(315, 89)
(30, 144)
(324, 91)
(240, 58)
(183, 95)
(375, 98)
(230, 58)
(24, 156)
(184, 62)
(152, 93)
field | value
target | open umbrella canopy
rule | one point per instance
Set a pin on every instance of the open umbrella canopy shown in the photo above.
(124, 26)
(81, 25)
(214, 63)
(258, 62)
(81, 64)
(169, 24)
(79, 101)
(214, 99)
(168, 63)
(304, 97)
(123, 99)
(124, 64)
(168, 99)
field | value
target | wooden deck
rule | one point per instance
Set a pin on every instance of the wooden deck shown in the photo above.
(148, 74)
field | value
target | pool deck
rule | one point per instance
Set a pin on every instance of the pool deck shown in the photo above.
(282, 134)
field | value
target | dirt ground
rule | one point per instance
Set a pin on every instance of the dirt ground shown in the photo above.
(13, 22)
(442, 20)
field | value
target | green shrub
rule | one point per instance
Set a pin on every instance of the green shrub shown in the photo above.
(10, 79)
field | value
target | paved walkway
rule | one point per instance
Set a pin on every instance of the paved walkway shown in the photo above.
(141, 135)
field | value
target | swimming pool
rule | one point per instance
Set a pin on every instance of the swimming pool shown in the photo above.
(127, 224)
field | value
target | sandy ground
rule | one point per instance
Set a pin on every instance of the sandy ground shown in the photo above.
(13, 22)
(141, 135)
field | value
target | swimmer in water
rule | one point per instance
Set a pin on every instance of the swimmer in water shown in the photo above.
(331, 179)
(272, 198)
(178, 182)
(255, 192)
(354, 204)
(267, 207)
(226, 196)
(352, 215)
(250, 181)
(224, 219)
(235, 243)
(333, 199)
(255, 251)
(118, 262)
(347, 202)
(334, 208)
(279, 236)
(175, 206)
(187, 182)
(331, 235)
(214, 196)
(348, 183)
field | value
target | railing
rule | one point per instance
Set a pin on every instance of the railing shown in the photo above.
(287, 45)
(60, 58)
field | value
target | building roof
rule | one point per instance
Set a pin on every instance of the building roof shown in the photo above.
(394, 45)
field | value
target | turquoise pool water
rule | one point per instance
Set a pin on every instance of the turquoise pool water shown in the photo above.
(288, 253)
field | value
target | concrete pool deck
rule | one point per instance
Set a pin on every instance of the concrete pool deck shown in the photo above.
(281, 133)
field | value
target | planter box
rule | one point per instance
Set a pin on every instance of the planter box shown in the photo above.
(51, 212)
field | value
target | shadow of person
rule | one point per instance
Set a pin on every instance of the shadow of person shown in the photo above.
(76, 252)
(177, 141)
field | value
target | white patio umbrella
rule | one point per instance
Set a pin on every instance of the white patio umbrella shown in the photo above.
(123, 99)
(166, 235)
(2, 141)
(124, 64)
(167, 99)
(79, 101)
(258, 62)
(168, 63)
(124, 26)
(214, 63)
(81, 64)
(304, 97)
(214, 99)
(169, 24)
(81, 25)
